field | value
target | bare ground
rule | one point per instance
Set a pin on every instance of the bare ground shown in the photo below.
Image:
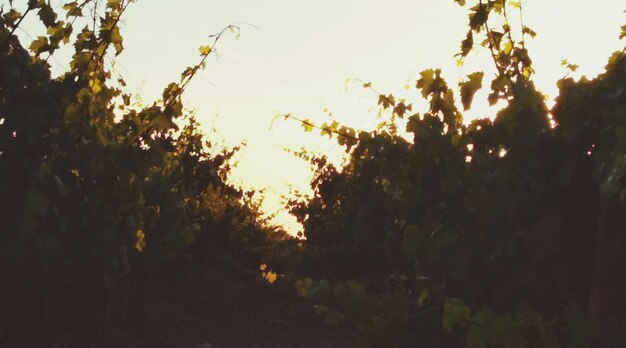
(227, 311)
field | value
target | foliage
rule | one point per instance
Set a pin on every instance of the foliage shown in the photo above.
(497, 233)
(99, 196)
(488, 233)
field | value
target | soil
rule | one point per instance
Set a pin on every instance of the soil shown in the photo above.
(226, 311)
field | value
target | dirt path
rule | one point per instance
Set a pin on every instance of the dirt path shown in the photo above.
(247, 312)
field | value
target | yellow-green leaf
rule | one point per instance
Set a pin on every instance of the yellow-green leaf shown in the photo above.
(204, 50)
(307, 125)
(39, 45)
(113, 4)
(11, 17)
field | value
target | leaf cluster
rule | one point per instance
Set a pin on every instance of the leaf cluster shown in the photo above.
(100, 198)
(496, 228)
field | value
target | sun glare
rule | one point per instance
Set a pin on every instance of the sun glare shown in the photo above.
(292, 64)
(354, 106)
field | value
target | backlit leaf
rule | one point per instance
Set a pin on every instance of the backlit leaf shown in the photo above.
(515, 4)
(467, 44)
(386, 101)
(113, 4)
(72, 9)
(116, 40)
(496, 38)
(426, 80)
(39, 45)
(140, 240)
(307, 125)
(204, 50)
(402, 108)
(530, 32)
(11, 17)
(479, 17)
(470, 87)
(270, 277)
(47, 15)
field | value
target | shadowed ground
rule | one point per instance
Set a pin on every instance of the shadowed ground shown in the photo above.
(224, 311)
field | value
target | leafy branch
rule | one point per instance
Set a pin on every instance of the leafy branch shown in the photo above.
(491, 44)
(190, 72)
(5, 43)
(73, 12)
(310, 126)
(121, 7)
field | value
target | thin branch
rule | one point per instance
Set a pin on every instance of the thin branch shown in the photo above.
(325, 129)
(198, 66)
(521, 20)
(506, 20)
(368, 85)
(491, 44)
(115, 23)
(94, 16)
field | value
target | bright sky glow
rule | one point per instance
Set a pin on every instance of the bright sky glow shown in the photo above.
(294, 56)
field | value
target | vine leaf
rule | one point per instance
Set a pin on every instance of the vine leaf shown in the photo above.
(204, 50)
(116, 40)
(571, 67)
(402, 108)
(47, 15)
(426, 80)
(386, 101)
(467, 44)
(527, 30)
(113, 3)
(496, 36)
(470, 87)
(307, 125)
(11, 17)
(39, 45)
(72, 9)
(479, 17)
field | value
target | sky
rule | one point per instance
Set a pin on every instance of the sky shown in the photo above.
(295, 56)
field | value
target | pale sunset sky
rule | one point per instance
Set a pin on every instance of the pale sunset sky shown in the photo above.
(294, 56)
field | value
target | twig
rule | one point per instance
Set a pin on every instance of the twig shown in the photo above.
(117, 20)
(368, 85)
(521, 21)
(506, 20)
(325, 129)
(491, 44)
(197, 67)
